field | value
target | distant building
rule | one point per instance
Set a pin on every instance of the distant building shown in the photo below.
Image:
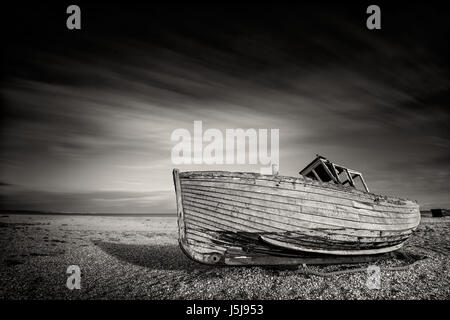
(439, 212)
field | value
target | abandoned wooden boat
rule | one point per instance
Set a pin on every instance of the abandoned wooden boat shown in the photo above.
(325, 214)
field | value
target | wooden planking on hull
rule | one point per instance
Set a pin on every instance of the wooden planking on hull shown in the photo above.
(263, 218)
(287, 203)
(320, 187)
(202, 228)
(295, 211)
(326, 240)
(291, 183)
(267, 219)
(221, 223)
(203, 245)
(331, 251)
(327, 200)
(310, 186)
(330, 242)
(305, 242)
(297, 201)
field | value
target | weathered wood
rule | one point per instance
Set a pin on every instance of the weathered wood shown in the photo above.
(331, 251)
(336, 174)
(291, 180)
(311, 186)
(212, 232)
(350, 179)
(321, 226)
(180, 211)
(328, 170)
(217, 240)
(289, 203)
(279, 213)
(330, 242)
(325, 190)
(304, 219)
(300, 192)
(316, 175)
(294, 218)
(292, 210)
(364, 183)
(214, 224)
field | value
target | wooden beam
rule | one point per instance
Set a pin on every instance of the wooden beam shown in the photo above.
(336, 173)
(328, 170)
(350, 179)
(316, 175)
(311, 166)
(364, 183)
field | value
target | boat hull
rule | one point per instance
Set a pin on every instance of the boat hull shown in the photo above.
(247, 218)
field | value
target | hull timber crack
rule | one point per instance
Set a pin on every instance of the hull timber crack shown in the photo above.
(234, 218)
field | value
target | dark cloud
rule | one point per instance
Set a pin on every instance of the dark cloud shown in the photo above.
(94, 109)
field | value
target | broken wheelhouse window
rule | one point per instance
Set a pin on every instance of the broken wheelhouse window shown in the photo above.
(323, 170)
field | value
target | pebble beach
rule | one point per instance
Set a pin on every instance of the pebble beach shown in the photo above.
(139, 258)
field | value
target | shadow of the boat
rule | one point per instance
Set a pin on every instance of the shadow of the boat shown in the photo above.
(171, 257)
(159, 257)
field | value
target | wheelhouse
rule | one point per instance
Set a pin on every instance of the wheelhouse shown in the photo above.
(323, 170)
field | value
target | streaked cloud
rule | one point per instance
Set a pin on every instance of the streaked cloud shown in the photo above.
(89, 128)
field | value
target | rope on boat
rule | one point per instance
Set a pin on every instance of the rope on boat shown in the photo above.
(305, 270)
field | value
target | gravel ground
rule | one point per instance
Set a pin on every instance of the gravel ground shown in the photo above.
(139, 258)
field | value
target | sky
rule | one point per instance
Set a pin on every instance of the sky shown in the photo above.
(87, 115)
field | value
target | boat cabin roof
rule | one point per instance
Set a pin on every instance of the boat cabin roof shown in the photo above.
(323, 170)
